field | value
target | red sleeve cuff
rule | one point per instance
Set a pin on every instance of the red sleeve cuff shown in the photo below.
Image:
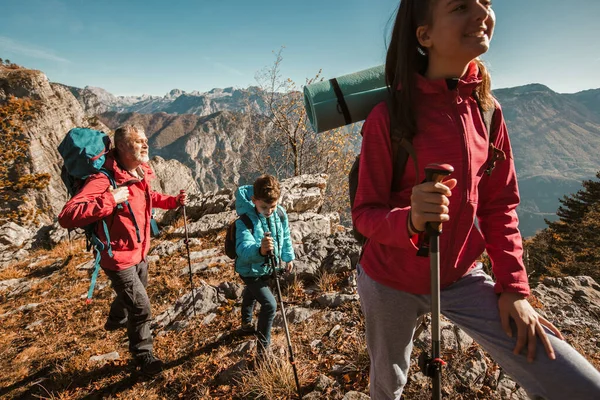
(515, 287)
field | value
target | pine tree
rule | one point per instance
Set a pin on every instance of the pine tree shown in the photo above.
(571, 245)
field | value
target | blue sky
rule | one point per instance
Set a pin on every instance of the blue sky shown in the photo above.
(136, 47)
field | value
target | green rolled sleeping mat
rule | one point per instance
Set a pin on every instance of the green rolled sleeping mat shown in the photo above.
(344, 100)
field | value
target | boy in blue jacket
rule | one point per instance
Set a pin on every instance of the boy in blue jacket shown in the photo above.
(259, 203)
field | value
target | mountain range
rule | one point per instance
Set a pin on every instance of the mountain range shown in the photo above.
(556, 140)
(555, 137)
(97, 101)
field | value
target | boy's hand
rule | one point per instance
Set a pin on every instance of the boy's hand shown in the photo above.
(289, 267)
(120, 194)
(266, 245)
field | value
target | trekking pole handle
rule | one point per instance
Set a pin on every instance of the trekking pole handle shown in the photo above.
(271, 256)
(268, 234)
(436, 173)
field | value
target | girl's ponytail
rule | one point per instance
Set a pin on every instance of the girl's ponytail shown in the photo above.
(484, 89)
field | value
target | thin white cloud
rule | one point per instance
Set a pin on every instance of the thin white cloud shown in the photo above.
(10, 45)
(227, 68)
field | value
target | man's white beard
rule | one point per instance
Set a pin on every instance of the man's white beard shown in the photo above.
(142, 158)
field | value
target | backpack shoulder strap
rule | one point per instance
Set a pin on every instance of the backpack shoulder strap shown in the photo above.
(488, 118)
(495, 154)
(119, 206)
(280, 212)
(110, 177)
(402, 148)
(248, 222)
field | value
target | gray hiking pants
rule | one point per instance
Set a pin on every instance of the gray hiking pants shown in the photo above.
(132, 304)
(470, 303)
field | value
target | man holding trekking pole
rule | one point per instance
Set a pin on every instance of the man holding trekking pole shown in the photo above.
(129, 231)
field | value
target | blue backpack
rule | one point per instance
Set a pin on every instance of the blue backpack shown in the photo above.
(83, 151)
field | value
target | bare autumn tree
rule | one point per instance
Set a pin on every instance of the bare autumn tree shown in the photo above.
(284, 143)
(15, 179)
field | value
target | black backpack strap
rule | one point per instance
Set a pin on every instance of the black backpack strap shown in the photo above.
(402, 149)
(137, 228)
(280, 212)
(248, 222)
(494, 153)
(488, 118)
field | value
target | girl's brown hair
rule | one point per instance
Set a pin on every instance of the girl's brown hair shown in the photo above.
(405, 58)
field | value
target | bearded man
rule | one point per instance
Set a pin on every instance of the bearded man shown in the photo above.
(129, 232)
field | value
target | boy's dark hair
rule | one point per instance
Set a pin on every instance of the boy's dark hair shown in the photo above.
(266, 188)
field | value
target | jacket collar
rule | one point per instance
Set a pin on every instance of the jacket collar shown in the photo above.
(464, 87)
(122, 177)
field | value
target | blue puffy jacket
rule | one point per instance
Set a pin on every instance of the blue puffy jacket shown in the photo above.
(249, 262)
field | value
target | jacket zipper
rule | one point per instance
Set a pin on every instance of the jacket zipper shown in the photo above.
(464, 197)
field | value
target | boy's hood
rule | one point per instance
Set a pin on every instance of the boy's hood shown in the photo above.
(243, 200)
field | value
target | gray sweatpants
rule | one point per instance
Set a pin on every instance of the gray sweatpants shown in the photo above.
(390, 319)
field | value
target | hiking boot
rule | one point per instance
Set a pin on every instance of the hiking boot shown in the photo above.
(112, 325)
(149, 364)
(247, 328)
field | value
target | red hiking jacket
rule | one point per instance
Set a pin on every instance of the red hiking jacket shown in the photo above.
(94, 202)
(450, 130)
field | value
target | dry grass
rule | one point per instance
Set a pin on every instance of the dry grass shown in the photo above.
(178, 223)
(14, 271)
(271, 378)
(67, 248)
(326, 281)
(294, 290)
(356, 347)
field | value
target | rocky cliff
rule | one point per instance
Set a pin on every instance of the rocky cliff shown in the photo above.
(215, 147)
(58, 112)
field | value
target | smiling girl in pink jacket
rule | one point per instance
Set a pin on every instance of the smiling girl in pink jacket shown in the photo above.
(432, 64)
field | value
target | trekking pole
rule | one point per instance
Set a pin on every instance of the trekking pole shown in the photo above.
(435, 173)
(273, 261)
(187, 246)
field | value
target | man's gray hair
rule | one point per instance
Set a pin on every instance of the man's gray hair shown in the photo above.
(123, 133)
